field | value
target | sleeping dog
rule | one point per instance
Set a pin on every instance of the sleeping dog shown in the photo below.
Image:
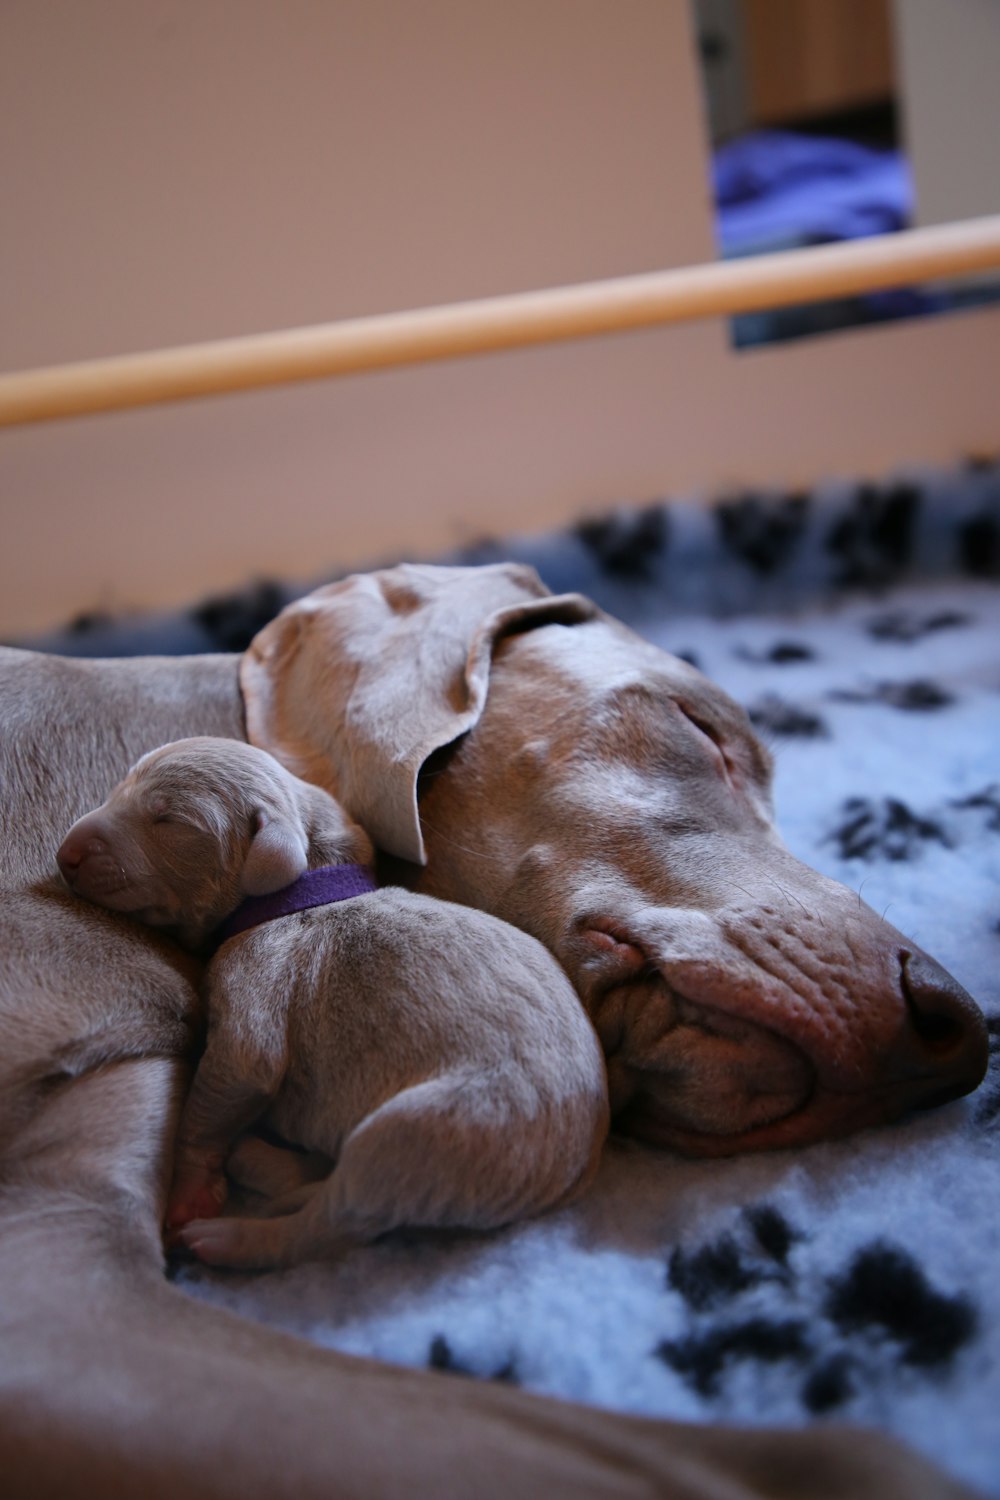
(438, 1056)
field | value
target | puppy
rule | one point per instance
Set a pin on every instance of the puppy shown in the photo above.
(438, 1057)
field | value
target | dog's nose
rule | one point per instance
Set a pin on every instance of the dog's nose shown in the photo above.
(947, 1046)
(74, 850)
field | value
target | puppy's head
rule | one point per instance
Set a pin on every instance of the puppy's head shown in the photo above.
(197, 825)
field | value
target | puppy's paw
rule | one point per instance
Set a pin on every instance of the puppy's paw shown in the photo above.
(212, 1240)
(274, 1170)
(199, 1196)
(246, 1244)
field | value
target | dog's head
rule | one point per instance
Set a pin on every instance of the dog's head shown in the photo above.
(612, 801)
(743, 999)
(195, 827)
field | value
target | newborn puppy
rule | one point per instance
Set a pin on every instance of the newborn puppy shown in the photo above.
(438, 1057)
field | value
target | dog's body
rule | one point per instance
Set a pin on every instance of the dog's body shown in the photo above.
(111, 1381)
(437, 1055)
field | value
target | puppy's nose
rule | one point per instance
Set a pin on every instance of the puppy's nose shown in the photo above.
(74, 850)
(948, 1036)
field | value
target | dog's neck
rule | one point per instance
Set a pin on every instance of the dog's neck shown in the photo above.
(320, 887)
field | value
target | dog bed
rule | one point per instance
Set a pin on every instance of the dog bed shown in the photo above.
(855, 1280)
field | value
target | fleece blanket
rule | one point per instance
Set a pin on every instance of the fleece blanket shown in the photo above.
(855, 1280)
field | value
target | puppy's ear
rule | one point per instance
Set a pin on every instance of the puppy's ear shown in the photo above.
(277, 856)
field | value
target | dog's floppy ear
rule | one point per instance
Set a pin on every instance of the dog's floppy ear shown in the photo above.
(354, 686)
(277, 855)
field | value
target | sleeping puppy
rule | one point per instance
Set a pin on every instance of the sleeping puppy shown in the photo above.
(437, 1056)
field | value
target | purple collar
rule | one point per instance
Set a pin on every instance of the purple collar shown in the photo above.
(315, 888)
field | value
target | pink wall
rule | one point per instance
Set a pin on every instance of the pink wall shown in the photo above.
(176, 170)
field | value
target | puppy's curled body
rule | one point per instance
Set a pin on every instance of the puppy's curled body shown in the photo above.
(440, 1059)
(436, 1056)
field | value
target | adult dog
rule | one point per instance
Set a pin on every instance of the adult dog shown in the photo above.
(111, 1382)
(612, 801)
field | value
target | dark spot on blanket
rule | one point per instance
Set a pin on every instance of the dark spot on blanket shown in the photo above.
(763, 533)
(844, 1335)
(873, 541)
(897, 625)
(988, 801)
(829, 1385)
(781, 654)
(979, 546)
(724, 1268)
(627, 544)
(885, 1290)
(88, 621)
(774, 715)
(702, 1358)
(232, 620)
(982, 463)
(711, 1274)
(918, 695)
(772, 1231)
(441, 1358)
(691, 657)
(883, 828)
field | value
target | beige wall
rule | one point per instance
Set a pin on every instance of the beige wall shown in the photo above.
(181, 169)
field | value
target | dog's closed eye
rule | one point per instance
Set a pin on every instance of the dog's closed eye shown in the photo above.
(708, 732)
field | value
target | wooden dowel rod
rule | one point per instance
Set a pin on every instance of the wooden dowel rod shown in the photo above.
(497, 323)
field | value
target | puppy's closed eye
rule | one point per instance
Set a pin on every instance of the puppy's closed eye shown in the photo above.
(164, 815)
